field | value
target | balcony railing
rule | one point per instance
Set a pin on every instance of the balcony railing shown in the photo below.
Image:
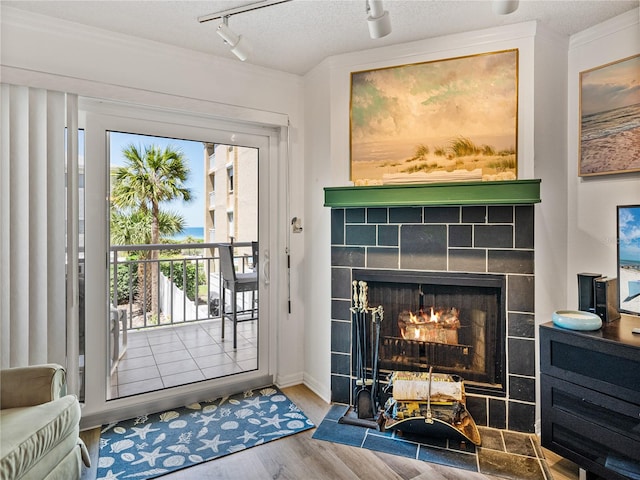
(188, 283)
(212, 199)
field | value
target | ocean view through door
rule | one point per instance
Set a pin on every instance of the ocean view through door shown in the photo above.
(184, 262)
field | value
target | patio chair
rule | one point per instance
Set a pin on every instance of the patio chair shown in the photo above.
(236, 283)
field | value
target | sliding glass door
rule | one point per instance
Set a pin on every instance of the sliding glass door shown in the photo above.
(177, 208)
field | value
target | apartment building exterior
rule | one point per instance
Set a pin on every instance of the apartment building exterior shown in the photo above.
(231, 193)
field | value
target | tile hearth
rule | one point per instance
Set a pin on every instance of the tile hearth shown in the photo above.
(504, 453)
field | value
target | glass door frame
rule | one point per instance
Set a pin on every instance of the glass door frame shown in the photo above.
(99, 117)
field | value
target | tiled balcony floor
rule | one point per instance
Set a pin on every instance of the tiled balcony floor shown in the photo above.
(164, 357)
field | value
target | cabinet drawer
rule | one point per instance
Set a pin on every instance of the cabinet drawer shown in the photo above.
(587, 452)
(592, 363)
(612, 421)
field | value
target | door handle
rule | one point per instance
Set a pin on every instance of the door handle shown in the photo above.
(266, 264)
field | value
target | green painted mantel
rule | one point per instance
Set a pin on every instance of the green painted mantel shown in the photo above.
(508, 192)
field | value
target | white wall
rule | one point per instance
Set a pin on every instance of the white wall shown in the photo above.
(549, 164)
(592, 201)
(550, 153)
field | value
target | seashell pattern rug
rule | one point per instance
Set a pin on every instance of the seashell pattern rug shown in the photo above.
(153, 445)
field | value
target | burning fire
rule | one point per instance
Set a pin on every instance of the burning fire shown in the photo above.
(448, 317)
(434, 325)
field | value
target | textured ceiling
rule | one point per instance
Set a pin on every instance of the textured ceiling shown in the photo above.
(295, 36)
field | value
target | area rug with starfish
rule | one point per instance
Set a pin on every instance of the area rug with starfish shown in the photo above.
(152, 445)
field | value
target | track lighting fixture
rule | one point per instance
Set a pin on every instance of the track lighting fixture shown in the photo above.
(504, 7)
(378, 19)
(239, 45)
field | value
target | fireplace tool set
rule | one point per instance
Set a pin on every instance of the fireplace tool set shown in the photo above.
(366, 398)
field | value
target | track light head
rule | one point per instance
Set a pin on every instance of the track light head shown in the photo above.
(504, 7)
(242, 50)
(378, 19)
(239, 45)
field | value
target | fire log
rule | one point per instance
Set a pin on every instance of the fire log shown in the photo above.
(439, 326)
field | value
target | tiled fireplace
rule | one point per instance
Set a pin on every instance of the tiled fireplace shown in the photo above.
(479, 241)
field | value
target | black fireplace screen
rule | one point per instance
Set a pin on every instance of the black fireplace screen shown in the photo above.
(454, 322)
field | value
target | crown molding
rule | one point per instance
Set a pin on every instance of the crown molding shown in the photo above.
(435, 47)
(621, 22)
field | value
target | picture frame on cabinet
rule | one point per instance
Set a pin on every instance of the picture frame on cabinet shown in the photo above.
(453, 119)
(609, 139)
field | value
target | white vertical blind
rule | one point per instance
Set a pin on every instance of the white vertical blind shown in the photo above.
(56, 235)
(34, 325)
(36, 222)
(5, 183)
(72, 242)
(19, 311)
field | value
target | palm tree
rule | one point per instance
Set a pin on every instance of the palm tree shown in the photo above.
(150, 177)
(134, 227)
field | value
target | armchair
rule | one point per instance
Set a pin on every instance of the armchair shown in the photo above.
(39, 425)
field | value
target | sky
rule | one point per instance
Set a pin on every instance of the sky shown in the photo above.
(629, 234)
(611, 86)
(193, 212)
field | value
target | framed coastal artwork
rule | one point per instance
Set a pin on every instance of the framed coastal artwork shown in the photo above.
(610, 118)
(440, 121)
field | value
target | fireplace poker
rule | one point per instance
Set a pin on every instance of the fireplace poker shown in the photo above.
(358, 348)
(364, 305)
(364, 397)
(375, 354)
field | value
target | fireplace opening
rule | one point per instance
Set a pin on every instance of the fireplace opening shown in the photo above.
(454, 322)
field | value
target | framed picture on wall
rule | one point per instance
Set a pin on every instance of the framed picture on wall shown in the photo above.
(610, 118)
(445, 120)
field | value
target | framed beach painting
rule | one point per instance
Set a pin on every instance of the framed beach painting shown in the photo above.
(440, 121)
(610, 118)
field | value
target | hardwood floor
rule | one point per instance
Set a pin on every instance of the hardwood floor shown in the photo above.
(300, 457)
